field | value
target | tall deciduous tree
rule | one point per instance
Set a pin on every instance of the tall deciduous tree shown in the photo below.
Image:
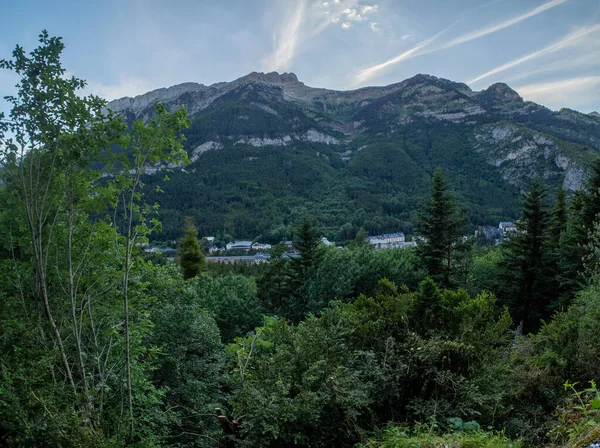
(191, 259)
(155, 142)
(441, 227)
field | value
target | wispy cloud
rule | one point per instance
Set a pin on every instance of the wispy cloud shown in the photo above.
(585, 59)
(125, 87)
(502, 25)
(368, 73)
(561, 44)
(424, 47)
(287, 39)
(578, 92)
(310, 18)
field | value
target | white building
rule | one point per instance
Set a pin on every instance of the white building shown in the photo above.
(507, 227)
(326, 242)
(261, 247)
(243, 245)
(386, 241)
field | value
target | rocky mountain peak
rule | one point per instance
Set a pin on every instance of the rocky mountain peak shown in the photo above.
(501, 93)
(273, 78)
(594, 114)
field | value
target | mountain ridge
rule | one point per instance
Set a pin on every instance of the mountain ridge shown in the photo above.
(266, 148)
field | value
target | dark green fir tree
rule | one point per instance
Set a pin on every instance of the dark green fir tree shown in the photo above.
(191, 258)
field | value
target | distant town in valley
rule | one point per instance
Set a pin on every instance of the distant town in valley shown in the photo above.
(255, 252)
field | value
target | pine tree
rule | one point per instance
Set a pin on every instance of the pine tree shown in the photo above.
(310, 254)
(559, 215)
(441, 227)
(591, 207)
(274, 285)
(191, 259)
(526, 270)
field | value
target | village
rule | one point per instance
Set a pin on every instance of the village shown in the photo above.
(254, 252)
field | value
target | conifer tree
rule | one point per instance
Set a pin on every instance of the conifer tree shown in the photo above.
(191, 259)
(559, 215)
(310, 254)
(591, 207)
(441, 226)
(526, 272)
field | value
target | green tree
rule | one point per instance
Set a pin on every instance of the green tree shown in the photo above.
(302, 267)
(153, 143)
(526, 271)
(274, 284)
(191, 259)
(360, 240)
(559, 218)
(441, 227)
(591, 206)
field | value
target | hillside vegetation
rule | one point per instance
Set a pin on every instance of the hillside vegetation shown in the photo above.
(446, 344)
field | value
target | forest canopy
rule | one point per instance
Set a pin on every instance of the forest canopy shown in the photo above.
(103, 344)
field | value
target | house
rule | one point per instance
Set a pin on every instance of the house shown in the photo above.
(507, 227)
(488, 232)
(261, 247)
(326, 242)
(241, 245)
(261, 258)
(386, 241)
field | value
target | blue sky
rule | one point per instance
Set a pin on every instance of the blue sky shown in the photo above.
(548, 50)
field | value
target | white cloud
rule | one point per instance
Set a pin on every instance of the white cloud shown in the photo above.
(286, 40)
(366, 9)
(585, 59)
(502, 25)
(125, 87)
(352, 14)
(561, 44)
(406, 36)
(368, 73)
(375, 27)
(576, 92)
(307, 20)
(421, 49)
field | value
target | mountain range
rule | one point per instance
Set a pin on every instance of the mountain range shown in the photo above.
(266, 150)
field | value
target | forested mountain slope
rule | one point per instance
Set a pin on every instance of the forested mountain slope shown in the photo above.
(266, 149)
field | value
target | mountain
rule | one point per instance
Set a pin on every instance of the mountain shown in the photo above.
(267, 149)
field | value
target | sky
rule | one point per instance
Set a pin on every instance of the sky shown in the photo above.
(547, 50)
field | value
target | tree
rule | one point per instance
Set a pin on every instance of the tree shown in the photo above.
(591, 206)
(441, 228)
(360, 240)
(155, 142)
(310, 254)
(191, 259)
(558, 222)
(526, 270)
(55, 135)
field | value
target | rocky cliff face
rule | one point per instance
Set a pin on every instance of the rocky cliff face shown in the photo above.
(383, 140)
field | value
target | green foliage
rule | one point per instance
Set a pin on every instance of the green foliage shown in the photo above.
(579, 417)
(527, 274)
(398, 437)
(358, 364)
(191, 259)
(231, 301)
(441, 228)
